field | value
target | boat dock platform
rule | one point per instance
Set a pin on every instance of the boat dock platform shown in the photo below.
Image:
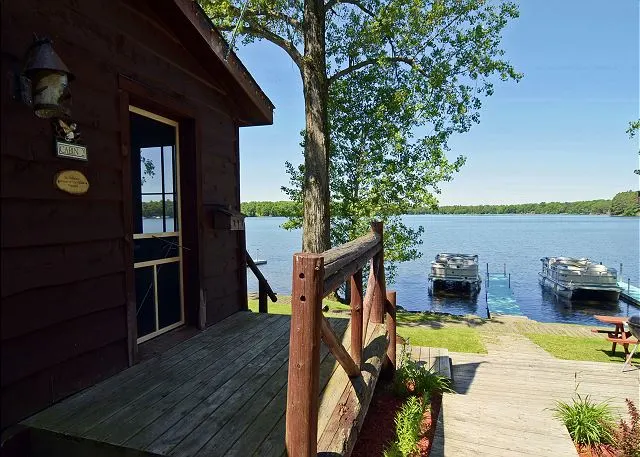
(629, 293)
(499, 296)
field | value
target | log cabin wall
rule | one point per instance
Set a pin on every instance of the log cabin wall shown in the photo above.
(65, 258)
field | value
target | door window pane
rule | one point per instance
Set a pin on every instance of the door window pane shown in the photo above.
(145, 298)
(168, 294)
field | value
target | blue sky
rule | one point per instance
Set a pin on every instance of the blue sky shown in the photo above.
(557, 135)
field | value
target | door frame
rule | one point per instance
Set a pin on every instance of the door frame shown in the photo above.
(137, 236)
(167, 105)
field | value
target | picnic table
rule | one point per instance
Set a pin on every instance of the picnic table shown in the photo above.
(618, 334)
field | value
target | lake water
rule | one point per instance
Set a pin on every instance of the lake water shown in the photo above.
(519, 241)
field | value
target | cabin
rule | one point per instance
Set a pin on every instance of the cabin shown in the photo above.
(87, 276)
(125, 328)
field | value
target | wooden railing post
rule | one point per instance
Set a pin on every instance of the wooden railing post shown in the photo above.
(356, 318)
(379, 287)
(263, 306)
(390, 361)
(304, 355)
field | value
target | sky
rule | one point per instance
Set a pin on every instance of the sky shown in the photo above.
(557, 135)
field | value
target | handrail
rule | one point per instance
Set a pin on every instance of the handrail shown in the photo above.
(314, 277)
(264, 289)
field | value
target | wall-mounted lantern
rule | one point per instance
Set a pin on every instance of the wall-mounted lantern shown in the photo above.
(48, 78)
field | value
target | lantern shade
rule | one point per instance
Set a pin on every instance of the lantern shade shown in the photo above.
(49, 78)
(42, 57)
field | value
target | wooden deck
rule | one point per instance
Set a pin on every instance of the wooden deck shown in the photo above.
(503, 402)
(221, 393)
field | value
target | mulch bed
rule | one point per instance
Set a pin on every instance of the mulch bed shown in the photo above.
(596, 451)
(379, 426)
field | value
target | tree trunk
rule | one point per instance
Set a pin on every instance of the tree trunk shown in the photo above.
(315, 226)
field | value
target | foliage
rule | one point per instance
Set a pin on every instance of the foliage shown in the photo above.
(596, 349)
(294, 209)
(393, 450)
(380, 71)
(634, 128)
(148, 169)
(154, 208)
(266, 208)
(628, 436)
(452, 338)
(581, 207)
(408, 421)
(588, 423)
(626, 204)
(413, 377)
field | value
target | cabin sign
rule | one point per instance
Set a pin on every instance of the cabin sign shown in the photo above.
(71, 151)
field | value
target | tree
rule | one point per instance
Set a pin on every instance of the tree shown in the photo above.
(378, 170)
(442, 51)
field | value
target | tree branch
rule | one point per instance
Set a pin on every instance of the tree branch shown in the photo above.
(345, 71)
(331, 3)
(276, 15)
(258, 31)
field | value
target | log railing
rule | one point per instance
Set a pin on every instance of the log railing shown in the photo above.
(264, 289)
(314, 277)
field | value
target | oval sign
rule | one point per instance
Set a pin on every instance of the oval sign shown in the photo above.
(72, 182)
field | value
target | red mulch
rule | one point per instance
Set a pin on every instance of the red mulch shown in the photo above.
(429, 426)
(604, 450)
(379, 427)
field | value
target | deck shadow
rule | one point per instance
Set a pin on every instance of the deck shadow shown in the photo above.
(461, 384)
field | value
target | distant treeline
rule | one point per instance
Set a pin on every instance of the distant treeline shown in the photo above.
(154, 208)
(623, 204)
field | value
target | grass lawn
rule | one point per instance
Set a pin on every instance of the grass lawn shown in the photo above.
(336, 309)
(451, 338)
(420, 329)
(579, 348)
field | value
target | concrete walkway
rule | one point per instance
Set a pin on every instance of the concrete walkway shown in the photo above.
(503, 400)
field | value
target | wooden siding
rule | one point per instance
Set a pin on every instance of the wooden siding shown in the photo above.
(64, 258)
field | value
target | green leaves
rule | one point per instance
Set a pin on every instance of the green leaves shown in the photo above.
(403, 76)
(588, 422)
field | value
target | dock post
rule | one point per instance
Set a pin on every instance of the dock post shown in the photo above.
(628, 285)
(487, 269)
(509, 280)
(620, 269)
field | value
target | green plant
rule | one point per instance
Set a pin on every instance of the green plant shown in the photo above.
(628, 437)
(392, 451)
(412, 377)
(588, 422)
(408, 422)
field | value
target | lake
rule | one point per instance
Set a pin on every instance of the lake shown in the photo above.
(519, 241)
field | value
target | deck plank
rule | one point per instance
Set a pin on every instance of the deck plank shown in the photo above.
(206, 355)
(222, 392)
(61, 411)
(166, 404)
(261, 423)
(504, 405)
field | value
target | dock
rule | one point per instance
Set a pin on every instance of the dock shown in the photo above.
(499, 296)
(629, 293)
